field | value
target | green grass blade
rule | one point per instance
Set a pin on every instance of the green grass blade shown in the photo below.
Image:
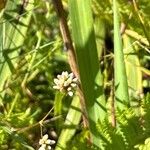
(72, 120)
(87, 58)
(13, 28)
(100, 32)
(121, 85)
(134, 73)
(58, 103)
(133, 69)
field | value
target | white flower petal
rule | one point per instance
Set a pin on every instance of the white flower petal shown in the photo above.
(75, 79)
(65, 74)
(48, 141)
(71, 75)
(73, 84)
(45, 137)
(52, 142)
(41, 148)
(56, 87)
(66, 84)
(58, 76)
(56, 81)
(69, 89)
(49, 147)
(69, 80)
(43, 145)
(70, 93)
(61, 81)
(41, 142)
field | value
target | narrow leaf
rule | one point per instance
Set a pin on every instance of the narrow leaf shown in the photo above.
(121, 85)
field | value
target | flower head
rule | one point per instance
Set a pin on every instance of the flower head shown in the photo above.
(45, 143)
(66, 83)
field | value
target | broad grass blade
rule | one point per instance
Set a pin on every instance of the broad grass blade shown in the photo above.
(87, 58)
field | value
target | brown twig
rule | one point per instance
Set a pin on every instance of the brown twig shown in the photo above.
(66, 36)
(113, 115)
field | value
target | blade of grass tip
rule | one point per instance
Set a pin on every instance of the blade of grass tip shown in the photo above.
(121, 85)
(71, 123)
(87, 58)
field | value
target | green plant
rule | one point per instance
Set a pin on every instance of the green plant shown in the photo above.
(105, 44)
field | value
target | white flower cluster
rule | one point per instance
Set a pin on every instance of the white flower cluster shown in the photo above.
(45, 143)
(66, 83)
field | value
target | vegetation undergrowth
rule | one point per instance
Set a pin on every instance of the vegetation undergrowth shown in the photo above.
(74, 75)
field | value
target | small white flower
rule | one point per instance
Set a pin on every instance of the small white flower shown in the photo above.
(45, 143)
(41, 148)
(66, 83)
(49, 147)
(70, 93)
(41, 142)
(45, 137)
(69, 89)
(51, 142)
(75, 80)
(73, 84)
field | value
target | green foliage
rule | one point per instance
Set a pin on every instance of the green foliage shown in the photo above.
(32, 54)
(132, 131)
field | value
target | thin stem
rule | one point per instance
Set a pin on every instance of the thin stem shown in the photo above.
(141, 21)
(41, 123)
(13, 104)
(113, 115)
(66, 35)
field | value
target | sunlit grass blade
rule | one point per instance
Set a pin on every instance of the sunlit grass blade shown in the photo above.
(87, 58)
(121, 85)
(133, 69)
(137, 36)
(71, 123)
(12, 34)
(134, 73)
